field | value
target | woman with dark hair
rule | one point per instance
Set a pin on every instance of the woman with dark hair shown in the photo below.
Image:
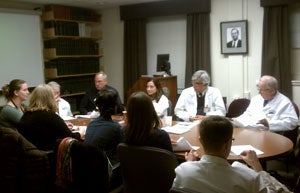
(143, 125)
(159, 100)
(15, 93)
(103, 132)
(40, 124)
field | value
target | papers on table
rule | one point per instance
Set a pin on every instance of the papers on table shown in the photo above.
(183, 145)
(238, 149)
(181, 127)
(83, 116)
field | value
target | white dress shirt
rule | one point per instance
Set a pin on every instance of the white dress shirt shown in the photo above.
(279, 112)
(186, 105)
(213, 174)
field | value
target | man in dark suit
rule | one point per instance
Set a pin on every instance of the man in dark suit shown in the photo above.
(235, 42)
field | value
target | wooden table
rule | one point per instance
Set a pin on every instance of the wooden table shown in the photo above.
(273, 145)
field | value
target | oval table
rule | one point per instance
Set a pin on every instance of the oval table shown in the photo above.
(272, 144)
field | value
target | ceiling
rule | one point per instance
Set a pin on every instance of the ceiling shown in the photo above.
(94, 4)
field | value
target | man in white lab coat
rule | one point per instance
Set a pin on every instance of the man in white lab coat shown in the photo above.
(269, 109)
(200, 100)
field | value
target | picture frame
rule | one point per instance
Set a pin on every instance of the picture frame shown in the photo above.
(234, 30)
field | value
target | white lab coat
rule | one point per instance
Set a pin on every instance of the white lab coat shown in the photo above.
(187, 103)
(279, 112)
(161, 106)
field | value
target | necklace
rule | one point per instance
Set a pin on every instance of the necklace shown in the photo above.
(21, 108)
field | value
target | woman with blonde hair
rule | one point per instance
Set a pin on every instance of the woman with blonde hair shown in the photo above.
(16, 92)
(40, 124)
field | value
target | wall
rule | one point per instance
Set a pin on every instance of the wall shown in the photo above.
(235, 75)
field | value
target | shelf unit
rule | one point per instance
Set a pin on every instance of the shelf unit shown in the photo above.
(72, 55)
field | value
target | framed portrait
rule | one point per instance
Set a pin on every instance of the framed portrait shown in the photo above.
(234, 37)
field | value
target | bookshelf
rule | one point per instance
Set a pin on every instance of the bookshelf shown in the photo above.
(71, 51)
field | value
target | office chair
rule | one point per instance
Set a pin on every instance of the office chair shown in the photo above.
(170, 109)
(237, 107)
(89, 168)
(146, 169)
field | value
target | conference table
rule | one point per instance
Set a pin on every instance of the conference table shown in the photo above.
(272, 145)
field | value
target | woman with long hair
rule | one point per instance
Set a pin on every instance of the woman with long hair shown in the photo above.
(159, 100)
(143, 124)
(40, 124)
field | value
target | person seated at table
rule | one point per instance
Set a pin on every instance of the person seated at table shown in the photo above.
(200, 100)
(87, 104)
(64, 108)
(269, 109)
(213, 173)
(143, 125)
(16, 92)
(159, 100)
(40, 124)
(103, 132)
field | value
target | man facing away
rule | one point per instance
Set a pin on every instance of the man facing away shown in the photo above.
(212, 173)
(87, 105)
(270, 109)
(199, 100)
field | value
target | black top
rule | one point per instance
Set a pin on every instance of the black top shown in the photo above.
(106, 135)
(43, 128)
(87, 103)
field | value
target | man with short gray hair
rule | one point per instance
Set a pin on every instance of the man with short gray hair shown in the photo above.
(199, 100)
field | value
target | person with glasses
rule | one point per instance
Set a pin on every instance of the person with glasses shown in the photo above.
(270, 109)
(199, 100)
(213, 173)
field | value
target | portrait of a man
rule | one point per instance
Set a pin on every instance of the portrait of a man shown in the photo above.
(235, 41)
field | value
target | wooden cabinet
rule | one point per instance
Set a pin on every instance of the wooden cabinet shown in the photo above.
(72, 54)
(169, 81)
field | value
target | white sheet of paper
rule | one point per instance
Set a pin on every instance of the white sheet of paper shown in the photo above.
(183, 145)
(238, 149)
(181, 127)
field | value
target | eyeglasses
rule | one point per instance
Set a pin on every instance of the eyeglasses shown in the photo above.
(197, 83)
(262, 90)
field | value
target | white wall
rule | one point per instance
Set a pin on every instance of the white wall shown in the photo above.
(234, 75)
(113, 48)
(167, 35)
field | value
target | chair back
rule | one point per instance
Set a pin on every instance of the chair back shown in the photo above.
(89, 168)
(170, 109)
(146, 169)
(237, 107)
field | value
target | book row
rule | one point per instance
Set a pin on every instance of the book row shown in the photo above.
(63, 28)
(78, 85)
(71, 67)
(73, 47)
(72, 13)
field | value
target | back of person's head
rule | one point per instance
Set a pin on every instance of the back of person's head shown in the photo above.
(214, 132)
(106, 101)
(9, 89)
(159, 91)
(53, 84)
(202, 75)
(141, 118)
(42, 98)
(269, 81)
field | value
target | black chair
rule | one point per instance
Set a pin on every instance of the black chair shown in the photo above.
(170, 109)
(89, 169)
(237, 107)
(146, 169)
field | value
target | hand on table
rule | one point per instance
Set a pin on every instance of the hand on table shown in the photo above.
(197, 117)
(192, 155)
(250, 157)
